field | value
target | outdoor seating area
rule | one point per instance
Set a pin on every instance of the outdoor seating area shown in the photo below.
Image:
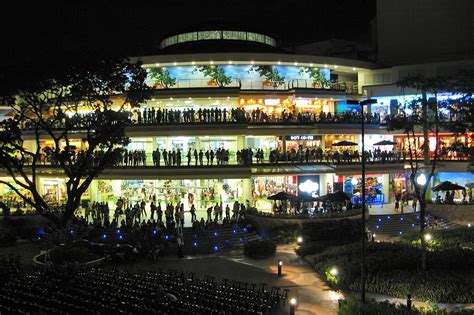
(61, 291)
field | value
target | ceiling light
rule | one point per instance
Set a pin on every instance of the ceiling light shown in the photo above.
(175, 63)
(279, 62)
(295, 63)
(335, 67)
(193, 63)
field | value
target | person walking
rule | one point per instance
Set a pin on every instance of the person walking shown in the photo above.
(180, 242)
(152, 210)
(193, 213)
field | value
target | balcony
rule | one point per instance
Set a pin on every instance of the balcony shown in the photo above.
(347, 87)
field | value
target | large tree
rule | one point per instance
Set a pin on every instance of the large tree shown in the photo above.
(84, 97)
(429, 115)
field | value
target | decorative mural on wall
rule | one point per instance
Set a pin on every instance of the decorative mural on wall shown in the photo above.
(271, 75)
(223, 75)
(319, 77)
(161, 77)
(216, 75)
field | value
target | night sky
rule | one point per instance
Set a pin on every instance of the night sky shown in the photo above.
(31, 32)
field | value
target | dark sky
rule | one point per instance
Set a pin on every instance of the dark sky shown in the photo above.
(33, 31)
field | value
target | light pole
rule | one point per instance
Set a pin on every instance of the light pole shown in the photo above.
(363, 240)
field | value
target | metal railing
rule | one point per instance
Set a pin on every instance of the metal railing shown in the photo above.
(349, 87)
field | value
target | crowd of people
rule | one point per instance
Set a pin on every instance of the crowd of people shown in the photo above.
(157, 116)
(106, 291)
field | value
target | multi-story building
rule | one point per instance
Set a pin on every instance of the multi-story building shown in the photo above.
(224, 92)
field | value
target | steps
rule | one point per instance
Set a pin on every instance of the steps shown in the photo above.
(389, 226)
(213, 241)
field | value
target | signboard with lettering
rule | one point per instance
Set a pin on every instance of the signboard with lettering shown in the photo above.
(300, 137)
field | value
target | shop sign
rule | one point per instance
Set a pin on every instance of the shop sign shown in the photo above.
(300, 137)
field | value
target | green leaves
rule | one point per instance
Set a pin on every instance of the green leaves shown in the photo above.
(215, 73)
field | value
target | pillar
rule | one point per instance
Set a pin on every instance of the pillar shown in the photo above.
(240, 142)
(247, 190)
(94, 190)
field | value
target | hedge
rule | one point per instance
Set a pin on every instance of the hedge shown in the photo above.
(352, 306)
(260, 248)
(345, 230)
(392, 270)
(459, 237)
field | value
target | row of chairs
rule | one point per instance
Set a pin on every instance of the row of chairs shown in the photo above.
(125, 292)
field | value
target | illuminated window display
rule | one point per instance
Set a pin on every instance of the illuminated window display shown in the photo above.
(201, 192)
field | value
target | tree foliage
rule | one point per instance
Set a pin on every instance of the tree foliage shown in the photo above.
(46, 102)
(430, 114)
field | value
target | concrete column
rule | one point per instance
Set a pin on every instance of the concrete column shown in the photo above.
(240, 142)
(386, 187)
(198, 143)
(94, 190)
(247, 192)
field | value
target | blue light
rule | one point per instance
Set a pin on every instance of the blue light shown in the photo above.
(446, 228)
(215, 234)
(401, 233)
(42, 232)
(417, 217)
(104, 236)
(167, 237)
(380, 220)
(413, 224)
(120, 237)
(241, 239)
(227, 241)
(195, 244)
(245, 230)
(377, 226)
(401, 219)
(72, 231)
(118, 231)
(216, 248)
(38, 238)
(154, 232)
(234, 231)
(388, 217)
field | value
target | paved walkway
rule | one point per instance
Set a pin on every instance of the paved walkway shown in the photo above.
(312, 294)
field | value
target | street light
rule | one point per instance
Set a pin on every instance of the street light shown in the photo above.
(428, 237)
(280, 265)
(299, 239)
(421, 179)
(293, 304)
(362, 125)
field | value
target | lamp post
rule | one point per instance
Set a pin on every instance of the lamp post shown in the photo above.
(280, 265)
(363, 240)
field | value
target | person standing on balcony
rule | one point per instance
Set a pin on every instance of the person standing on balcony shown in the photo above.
(207, 157)
(201, 154)
(165, 157)
(188, 155)
(178, 157)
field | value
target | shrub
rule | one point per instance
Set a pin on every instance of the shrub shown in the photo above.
(352, 306)
(316, 247)
(459, 237)
(260, 248)
(346, 230)
(392, 270)
(285, 234)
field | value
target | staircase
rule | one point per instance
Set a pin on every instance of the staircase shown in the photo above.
(389, 226)
(218, 240)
